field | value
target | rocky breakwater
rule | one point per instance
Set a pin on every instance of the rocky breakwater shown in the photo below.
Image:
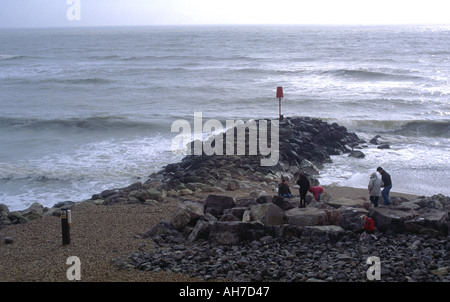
(252, 235)
(304, 144)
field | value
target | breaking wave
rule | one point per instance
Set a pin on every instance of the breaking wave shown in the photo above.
(88, 123)
(367, 75)
(419, 128)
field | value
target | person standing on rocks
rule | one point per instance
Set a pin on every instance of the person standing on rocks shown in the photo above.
(303, 182)
(374, 188)
(386, 185)
(283, 189)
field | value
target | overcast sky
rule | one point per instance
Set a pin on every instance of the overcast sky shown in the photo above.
(57, 13)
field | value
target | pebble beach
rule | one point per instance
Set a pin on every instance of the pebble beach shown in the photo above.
(99, 235)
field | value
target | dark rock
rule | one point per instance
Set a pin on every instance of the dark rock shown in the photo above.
(161, 228)
(267, 214)
(108, 193)
(350, 218)
(216, 204)
(331, 232)
(237, 212)
(187, 214)
(16, 217)
(432, 219)
(384, 146)
(248, 202)
(389, 218)
(375, 140)
(200, 231)
(263, 199)
(357, 154)
(308, 216)
(63, 204)
(283, 203)
(438, 202)
(4, 208)
(229, 217)
(233, 232)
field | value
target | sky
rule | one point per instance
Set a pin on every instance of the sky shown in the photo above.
(64, 13)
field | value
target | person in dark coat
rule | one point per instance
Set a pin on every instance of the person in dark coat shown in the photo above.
(303, 182)
(386, 185)
(283, 189)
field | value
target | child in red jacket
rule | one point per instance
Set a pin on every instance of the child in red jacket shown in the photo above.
(368, 228)
(316, 191)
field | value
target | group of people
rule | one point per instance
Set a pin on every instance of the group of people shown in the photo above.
(377, 187)
(304, 188)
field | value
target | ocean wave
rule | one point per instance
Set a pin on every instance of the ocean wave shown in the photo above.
(81, 81)
(11, 57)
(418, 128)
(64, 81)
(40, 178)
(361, 75)
(105, 57)
(88, 123)
(268, 70)
(188, 58)
(368, 75)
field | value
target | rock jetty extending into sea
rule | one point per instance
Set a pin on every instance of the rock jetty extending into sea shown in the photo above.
(304, 144)
(262, 237)
(230, 224)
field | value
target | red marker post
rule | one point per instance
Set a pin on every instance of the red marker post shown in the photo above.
(279, 97)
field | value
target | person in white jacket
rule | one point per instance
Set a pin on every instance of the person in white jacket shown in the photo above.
(375, 185)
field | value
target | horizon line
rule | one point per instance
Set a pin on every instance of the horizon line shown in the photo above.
(69, 26)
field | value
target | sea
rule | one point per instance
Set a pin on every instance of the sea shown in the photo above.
(83, 110)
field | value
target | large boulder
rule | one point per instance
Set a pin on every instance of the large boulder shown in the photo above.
(432, 219)
(187, 214)
(139, 194)
(391, 218)
(227, 232)
(346, 202)
(200, 231)
(237, 212)
(438, 202)
(267, 214)
(163, 228)
(285, 203)
(408, 205)
(308, 216)
(330, 232)
(351, 218)
(357, 154)
(216, 204)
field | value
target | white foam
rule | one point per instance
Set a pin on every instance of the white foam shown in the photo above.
(415, 168)
(77, 174)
